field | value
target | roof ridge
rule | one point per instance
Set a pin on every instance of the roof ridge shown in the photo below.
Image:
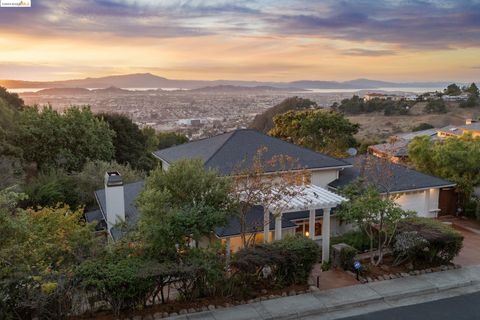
(231, 134)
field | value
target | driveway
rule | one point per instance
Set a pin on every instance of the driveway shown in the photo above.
(470, 254)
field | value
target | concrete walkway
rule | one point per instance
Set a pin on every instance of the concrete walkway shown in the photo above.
(323, 302)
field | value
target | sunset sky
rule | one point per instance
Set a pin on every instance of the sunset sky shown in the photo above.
(276, 40)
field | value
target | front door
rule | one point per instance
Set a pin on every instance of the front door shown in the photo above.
(447, 202)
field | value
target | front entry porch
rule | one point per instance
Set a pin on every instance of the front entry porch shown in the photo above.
(315, 200)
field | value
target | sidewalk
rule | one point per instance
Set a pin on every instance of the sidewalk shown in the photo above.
(322, 302)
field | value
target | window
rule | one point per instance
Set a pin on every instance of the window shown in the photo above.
(304, 225)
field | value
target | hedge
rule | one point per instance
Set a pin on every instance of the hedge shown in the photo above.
(441, 243)
(281, 263)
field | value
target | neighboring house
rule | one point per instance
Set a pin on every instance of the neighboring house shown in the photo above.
(427, 195)
(385, 96)
(461, 97)
(310, 213)
(470, 127)
(397, 149)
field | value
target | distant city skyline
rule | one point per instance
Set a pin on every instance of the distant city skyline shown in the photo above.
(264, 40)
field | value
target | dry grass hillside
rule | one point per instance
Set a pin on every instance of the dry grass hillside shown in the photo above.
(379, 126)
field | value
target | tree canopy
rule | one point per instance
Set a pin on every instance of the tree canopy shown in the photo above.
(376, 215)
(357, 105)
(435, 106)
(170, 139)
(323, 131)
(453, 90)
(129, 141)
(12, 99)
(455, 159)
(264, 121)
(473, 90)
(184, 203)
(67, 141)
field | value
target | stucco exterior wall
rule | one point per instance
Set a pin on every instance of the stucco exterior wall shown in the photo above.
(425, 202)
(322, 178)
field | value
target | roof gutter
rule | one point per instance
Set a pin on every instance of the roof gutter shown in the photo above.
(411, 190)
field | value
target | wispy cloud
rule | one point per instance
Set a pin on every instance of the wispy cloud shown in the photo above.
(259, 37)
(409, 23)
(368, 52)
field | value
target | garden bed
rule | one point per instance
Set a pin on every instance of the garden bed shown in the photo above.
(174, 308)
(388, 270)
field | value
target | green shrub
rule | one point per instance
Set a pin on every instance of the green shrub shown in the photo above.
(347, 257)
(206, 275)
(281, 263)
(300, 255)
(408, 245)
(436, 106)
(472, 208)
(120, 281)
(326, 265)
(444, 242)
(357, 239)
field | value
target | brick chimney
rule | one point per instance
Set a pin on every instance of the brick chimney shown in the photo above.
(114, 198)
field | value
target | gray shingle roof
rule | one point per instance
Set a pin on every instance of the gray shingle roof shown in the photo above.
(131, 192)
(233, 151)
(254, 217)
(254, 223)
(401, 179)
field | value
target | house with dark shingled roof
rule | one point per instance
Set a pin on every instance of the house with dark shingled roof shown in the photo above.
(312, 215)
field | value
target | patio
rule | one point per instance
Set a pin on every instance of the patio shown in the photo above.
(331, 279)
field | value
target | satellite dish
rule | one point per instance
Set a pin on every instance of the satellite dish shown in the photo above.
(352, 152)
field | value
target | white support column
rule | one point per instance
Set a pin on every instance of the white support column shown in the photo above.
(427, 202)
(326, 235)
(278, 227)
(311, 224)
(266, 225)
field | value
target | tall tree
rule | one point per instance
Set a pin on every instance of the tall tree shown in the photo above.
(54, 140)
(129, 141)
(253, 186)
(324, 131)
(264, 121)
(182, 204)
(11, 169)
(473, 90)
(378, 216)
(456, 159)
(453, 90)
(170, 139)
(12, 99)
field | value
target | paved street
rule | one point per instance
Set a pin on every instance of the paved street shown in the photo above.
(360, 299)
(466, 307)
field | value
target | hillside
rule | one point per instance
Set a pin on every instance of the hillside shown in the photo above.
(379, 126)
(148, 80)
(376, 125)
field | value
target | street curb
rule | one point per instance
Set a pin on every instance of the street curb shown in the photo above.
(265, 315)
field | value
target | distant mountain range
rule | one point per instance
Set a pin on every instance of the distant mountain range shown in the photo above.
(148, 80)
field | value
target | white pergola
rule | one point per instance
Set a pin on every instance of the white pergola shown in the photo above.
(306, 197)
